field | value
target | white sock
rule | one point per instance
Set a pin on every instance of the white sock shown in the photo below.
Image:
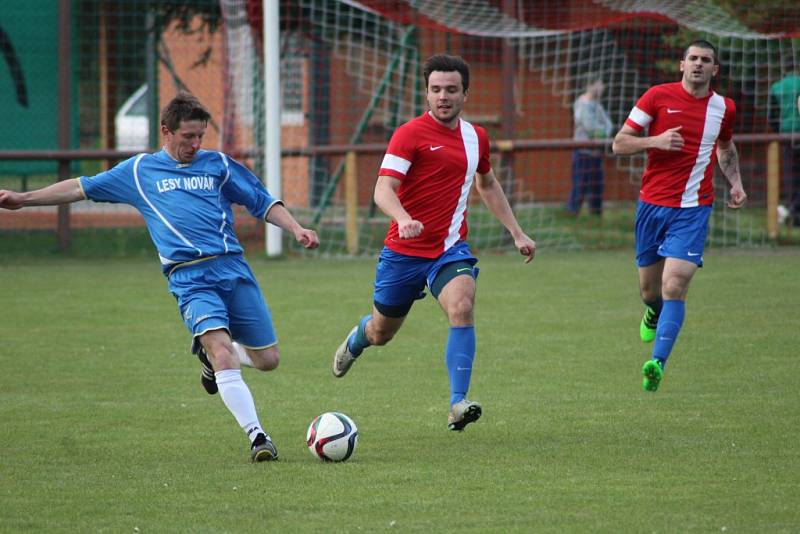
(239, 401)
(241, 353)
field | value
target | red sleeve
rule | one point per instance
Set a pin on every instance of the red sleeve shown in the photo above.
(399, 154)
(726, 130)
(633, 125)
(643, 112)
(484, 164)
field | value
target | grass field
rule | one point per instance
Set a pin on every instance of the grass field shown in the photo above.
(105, 427)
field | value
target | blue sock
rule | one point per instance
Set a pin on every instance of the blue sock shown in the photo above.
(459, 354)
(358, 341)
(669, 326)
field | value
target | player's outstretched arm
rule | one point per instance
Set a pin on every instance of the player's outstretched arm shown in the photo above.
(495, 199)
(280, 217)
(58, 193)
(728, 158)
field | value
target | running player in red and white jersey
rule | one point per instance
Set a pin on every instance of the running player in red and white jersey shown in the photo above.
(435, 188)
(423, 185)
(690, 128)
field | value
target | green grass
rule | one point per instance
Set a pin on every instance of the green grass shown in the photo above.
(98, 243)
(106, 428)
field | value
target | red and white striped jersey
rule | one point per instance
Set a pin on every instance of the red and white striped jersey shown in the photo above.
(436, 166)
(682, 179)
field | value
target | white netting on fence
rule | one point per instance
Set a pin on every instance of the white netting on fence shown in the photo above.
(352, 73)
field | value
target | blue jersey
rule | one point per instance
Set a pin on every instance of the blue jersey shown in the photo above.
(186, 206)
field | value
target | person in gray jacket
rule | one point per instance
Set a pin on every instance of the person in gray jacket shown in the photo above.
(591, 122)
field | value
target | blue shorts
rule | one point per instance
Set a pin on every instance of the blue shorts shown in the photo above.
(222, 293)
(401, 279)
(663, 232)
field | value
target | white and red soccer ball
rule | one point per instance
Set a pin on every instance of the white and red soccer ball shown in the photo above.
(332, 437)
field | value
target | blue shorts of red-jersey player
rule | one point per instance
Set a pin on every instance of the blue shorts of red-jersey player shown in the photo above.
(401, 279)
(664, 232)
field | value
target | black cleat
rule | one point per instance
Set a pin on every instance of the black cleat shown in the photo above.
(262, 449)
(207, 377)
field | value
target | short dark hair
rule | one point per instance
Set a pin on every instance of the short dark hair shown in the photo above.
(447, 63)
(184, 107)
(702, 43)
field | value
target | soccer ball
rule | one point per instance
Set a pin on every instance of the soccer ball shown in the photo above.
(332, 437)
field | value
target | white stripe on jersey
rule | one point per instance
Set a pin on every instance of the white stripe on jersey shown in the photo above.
(715, 112)
(222, 211)
(472, 149)
(164, 261)
(640, 117)
(395, 163)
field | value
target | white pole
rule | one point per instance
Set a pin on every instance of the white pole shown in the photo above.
(272, 115)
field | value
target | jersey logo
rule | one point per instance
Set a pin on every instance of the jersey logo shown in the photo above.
(670, 110)
(692, 253)
(435, 148)
(182, 165)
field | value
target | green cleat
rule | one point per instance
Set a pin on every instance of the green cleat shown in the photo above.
(647, 328)
(653, 373)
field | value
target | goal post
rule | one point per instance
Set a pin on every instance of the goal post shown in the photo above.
(350, 73)
(272, 120)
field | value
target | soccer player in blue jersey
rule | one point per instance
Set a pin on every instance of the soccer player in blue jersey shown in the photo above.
(185, 195)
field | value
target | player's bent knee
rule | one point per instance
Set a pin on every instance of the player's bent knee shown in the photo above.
(649, 292)
(266, 359)
(460, 313)
(674, 288)
(380, 336)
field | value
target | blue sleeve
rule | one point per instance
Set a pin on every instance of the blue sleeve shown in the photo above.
(244, 188)
(114, 185)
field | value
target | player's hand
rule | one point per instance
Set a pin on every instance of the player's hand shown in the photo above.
(669, 140)
(10, 200)
(409, 229)
(737, 197)
(307, 238)
(526, 247)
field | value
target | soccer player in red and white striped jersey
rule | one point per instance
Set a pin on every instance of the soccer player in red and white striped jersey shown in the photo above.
(689, 129)
(424, 183)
